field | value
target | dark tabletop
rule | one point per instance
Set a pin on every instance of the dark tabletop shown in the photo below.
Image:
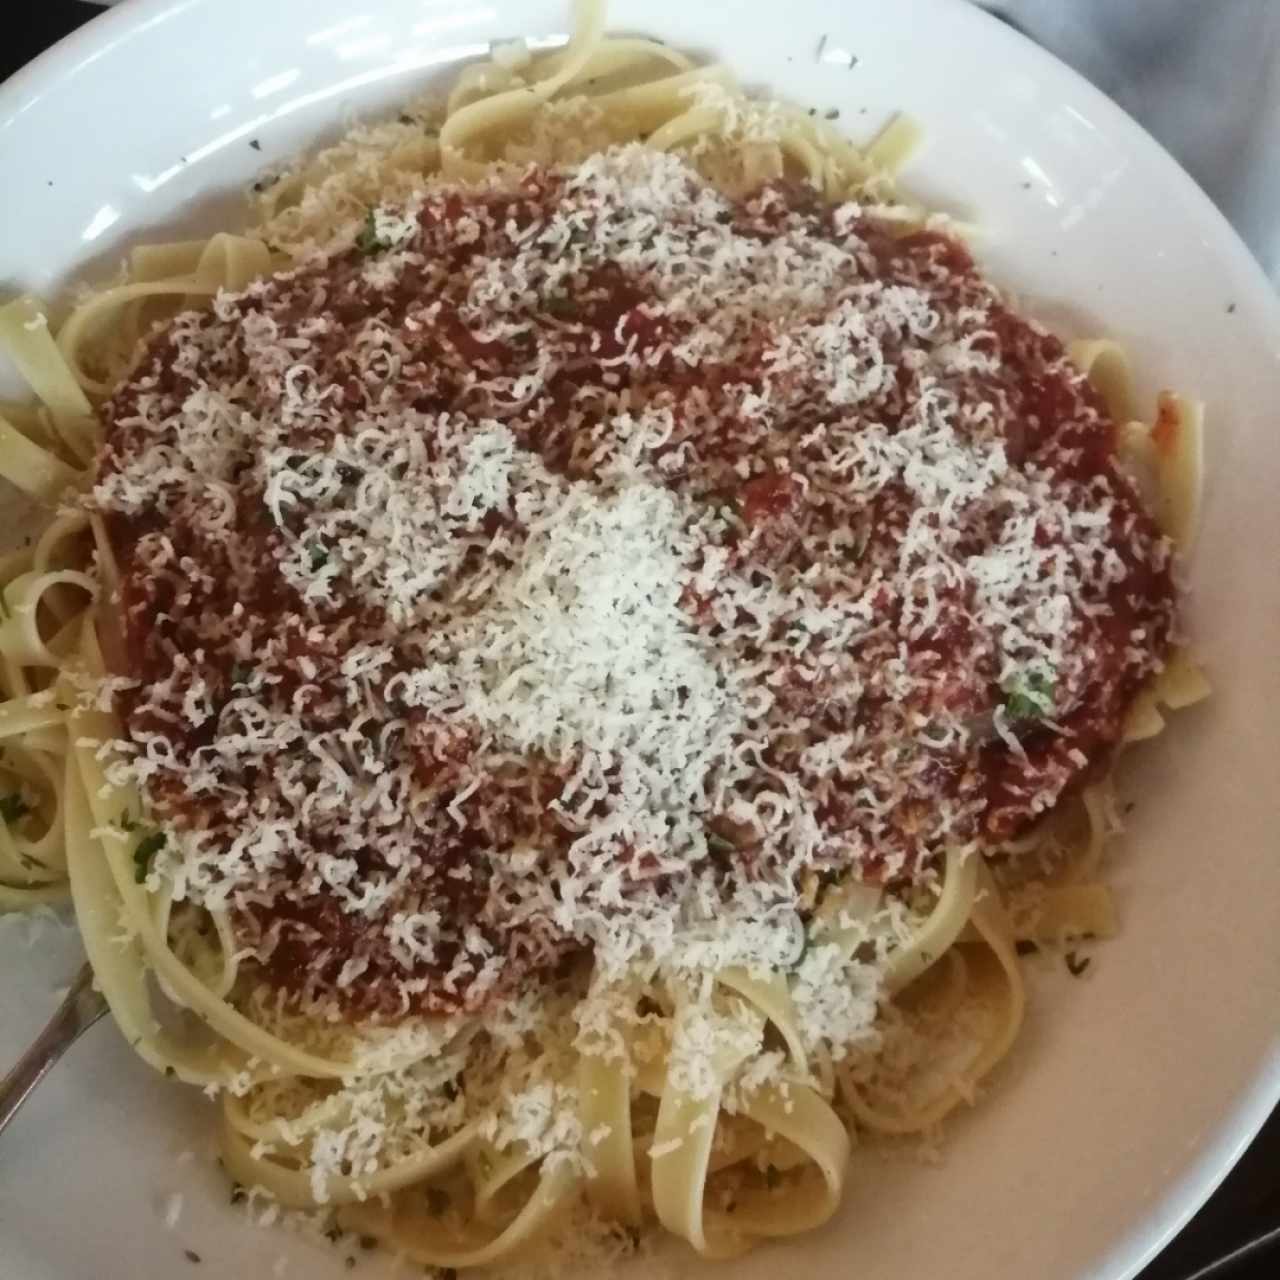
(1246, 1203)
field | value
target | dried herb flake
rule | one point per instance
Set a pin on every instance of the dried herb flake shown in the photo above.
(147, 849)
(561, 306)
(13, 807)
(368, 241)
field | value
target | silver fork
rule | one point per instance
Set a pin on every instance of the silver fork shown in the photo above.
(82, 1007)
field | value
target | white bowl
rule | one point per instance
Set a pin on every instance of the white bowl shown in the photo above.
(1131, 1092)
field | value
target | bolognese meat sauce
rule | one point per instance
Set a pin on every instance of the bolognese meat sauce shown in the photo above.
(583, 534)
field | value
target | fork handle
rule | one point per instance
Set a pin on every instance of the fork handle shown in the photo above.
(81, 1008)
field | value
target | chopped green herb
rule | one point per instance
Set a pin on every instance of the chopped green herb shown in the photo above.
(1030, 698)
(12, 808)
(147, 849)
(319, 555)
(367, 240)
(719, 845)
